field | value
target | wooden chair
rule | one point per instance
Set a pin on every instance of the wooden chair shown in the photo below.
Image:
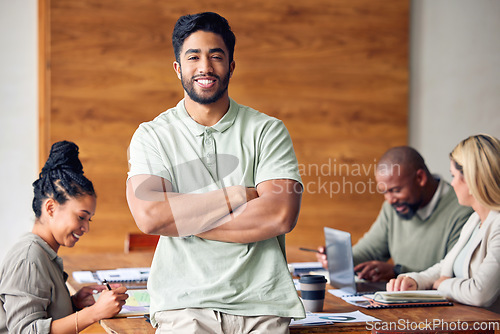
(141, 242)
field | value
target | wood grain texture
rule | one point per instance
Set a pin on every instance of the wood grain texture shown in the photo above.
(398, 318)
(335, 71)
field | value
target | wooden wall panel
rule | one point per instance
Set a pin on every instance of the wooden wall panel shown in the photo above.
(335, 71)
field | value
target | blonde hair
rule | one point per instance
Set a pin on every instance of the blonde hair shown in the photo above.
(478, 159)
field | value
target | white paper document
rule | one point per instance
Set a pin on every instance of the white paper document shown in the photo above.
(299, 268)
(331, 318)
(113, 275)
(85, 277)
(357, 299)
(124, 274)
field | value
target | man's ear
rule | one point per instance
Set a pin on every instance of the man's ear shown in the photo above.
(231, 68)
(421, 177)
(177, 69)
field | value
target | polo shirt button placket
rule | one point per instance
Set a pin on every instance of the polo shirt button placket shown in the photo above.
(210, 149)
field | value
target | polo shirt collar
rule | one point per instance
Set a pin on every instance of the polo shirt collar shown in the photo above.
(441, 190)
(222, 125)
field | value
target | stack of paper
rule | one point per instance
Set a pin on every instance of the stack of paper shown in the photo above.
(393, 299)
(417, 296)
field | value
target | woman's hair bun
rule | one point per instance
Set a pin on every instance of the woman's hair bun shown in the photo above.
(61, 177)
(63, 155)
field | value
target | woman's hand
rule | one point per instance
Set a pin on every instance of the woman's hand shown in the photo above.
(436, 284)
(85, 296)
(110, 302)
(401, 283)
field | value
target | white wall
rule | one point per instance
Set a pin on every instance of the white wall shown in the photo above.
(18, 118)
(455, 91)
(455, 75)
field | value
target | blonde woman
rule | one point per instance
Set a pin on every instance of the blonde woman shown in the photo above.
(470, 273)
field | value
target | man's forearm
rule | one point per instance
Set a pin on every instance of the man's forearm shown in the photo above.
(197, 213)
(157, 210)
(268, 216)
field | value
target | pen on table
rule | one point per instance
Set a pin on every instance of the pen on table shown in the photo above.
(310, 250)
(104, 282)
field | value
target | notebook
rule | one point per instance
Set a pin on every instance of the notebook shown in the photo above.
(416, 298)
(341, 267)
(413, 296)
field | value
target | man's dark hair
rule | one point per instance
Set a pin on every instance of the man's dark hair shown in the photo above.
(209, 22)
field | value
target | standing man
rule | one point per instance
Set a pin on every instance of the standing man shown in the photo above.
(220, 183)
(420, 220)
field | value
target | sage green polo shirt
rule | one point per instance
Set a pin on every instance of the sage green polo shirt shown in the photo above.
(246, 148)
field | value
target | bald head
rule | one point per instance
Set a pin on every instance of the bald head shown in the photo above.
(401, 160)
(405, 181)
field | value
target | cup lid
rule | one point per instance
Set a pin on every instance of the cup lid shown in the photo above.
(311, 279)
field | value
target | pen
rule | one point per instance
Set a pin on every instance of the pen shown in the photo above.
(310, 250)
(104, 282)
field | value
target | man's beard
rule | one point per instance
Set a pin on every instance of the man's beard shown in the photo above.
(188, 86)
(412, 209)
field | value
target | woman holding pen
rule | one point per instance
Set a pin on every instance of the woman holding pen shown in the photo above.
(470, 272)
(33, 294)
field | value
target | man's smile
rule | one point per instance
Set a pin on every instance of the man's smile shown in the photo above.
(205, 83)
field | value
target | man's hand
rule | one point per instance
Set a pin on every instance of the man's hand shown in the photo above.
(375, 271)
(158, 210)
(251, 194)
(274, 212)
(321, 257)
(402, 283)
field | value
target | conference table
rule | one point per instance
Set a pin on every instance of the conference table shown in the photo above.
(437, 319)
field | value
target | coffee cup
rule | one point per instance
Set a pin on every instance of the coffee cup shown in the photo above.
(312, 291)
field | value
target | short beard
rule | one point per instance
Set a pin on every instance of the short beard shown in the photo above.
(189, 88)
(412, 210)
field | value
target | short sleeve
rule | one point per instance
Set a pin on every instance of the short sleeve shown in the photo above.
(145, 156)
(276, 156)
(26, 294)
